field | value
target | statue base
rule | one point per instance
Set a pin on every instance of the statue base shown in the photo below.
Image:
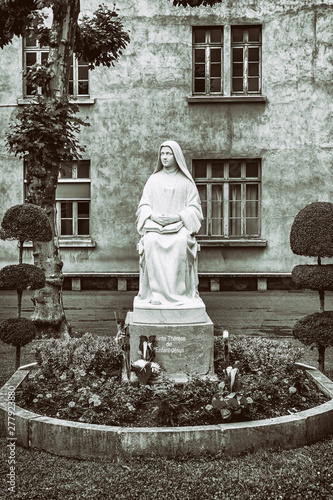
(181, 350)
(192, 312)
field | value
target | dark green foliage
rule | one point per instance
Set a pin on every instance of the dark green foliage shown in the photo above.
(45, 134)
(15, 15)
(312, 231)
(101, 38)
(21, 277)
(315, 329)
(26, 222)
(313, 277)
(17, 331)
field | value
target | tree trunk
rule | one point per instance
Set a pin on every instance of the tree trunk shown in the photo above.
(321, 357)
(49, 314)
(17, 357)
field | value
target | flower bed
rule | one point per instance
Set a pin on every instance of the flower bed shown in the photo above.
(80, 380)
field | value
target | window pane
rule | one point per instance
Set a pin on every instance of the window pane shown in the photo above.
(71, 72)
(235, 227)
(199, 85)
(83, 170)
(215, 35)
(45, 56)
(217, 210)
(215, 55)
(254, 34)
(237, 84)
(31, 40)
(31, 58)
(217, 170)
(202, 189)
(254, 84)
(237, 34)
(252, 169)
(253, 69)
(252, 209)
(66, 210)
(199, 55)
(235, 191)
(237, 69)
(83, 226)
(83, 210)
(235, 169)
(83, 72)
(237, 55)
(215, 70)
(252, 192)
(200, 170)
(215, 85)
(66, 227)
(71, 88)
(83, 88)
(199, 35)
(199, 70)
(252, 226)
(254, 54)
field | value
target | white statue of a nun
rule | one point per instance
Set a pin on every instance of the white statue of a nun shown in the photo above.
(168, 217)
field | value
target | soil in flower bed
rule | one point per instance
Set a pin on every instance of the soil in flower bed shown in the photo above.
(80, 380)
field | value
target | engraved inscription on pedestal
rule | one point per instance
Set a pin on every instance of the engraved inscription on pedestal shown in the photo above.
(181, 350)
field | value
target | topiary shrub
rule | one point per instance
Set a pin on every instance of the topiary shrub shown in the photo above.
(21, 277)
(312, 230)
(316, 330)
(312, 235)
(313, 277)
(17, 332)
(25, 222)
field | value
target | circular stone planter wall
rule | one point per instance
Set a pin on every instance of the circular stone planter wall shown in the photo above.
(81, 440)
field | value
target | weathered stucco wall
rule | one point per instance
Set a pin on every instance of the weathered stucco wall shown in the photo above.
(143, 101)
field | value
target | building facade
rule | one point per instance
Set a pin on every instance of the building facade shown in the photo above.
(244, 87)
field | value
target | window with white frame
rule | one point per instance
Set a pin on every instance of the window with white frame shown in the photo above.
(73, 199)
(35, 54)
(230, 197)
(246, 59)
(207, 60)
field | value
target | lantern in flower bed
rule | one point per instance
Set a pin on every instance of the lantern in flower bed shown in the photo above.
(312, 235)
(145, 367)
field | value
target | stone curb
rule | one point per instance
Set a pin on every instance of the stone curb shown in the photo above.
(81, 440)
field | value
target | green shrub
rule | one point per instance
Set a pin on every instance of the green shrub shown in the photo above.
(315, 329)
(313, 277)
(88, 354)
(26, 222)
(21, 277)
(17, 332)
(312, 231)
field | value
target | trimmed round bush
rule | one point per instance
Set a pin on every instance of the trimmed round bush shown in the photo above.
(26, 222)
(22, 276)
(312, 231)
(315, 329)
(313, 277)
(17, 331)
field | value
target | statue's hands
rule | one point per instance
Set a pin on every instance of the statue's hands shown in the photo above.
(164, 219)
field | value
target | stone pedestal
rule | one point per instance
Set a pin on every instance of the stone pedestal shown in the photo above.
(181, 349)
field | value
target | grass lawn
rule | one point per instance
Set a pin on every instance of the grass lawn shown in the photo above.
(305, 473)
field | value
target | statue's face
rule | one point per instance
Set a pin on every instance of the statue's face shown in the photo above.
(167, 157)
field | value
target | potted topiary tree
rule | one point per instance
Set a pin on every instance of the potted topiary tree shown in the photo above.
(25, 223)
(312, 235)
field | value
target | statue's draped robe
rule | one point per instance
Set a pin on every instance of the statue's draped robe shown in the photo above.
(168, 262)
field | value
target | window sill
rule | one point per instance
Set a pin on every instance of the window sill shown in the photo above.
(71, 243)
(200, 99)
(81, 101)
(232, 243)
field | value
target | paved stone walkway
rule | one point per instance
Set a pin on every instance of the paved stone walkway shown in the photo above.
(270, 313)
